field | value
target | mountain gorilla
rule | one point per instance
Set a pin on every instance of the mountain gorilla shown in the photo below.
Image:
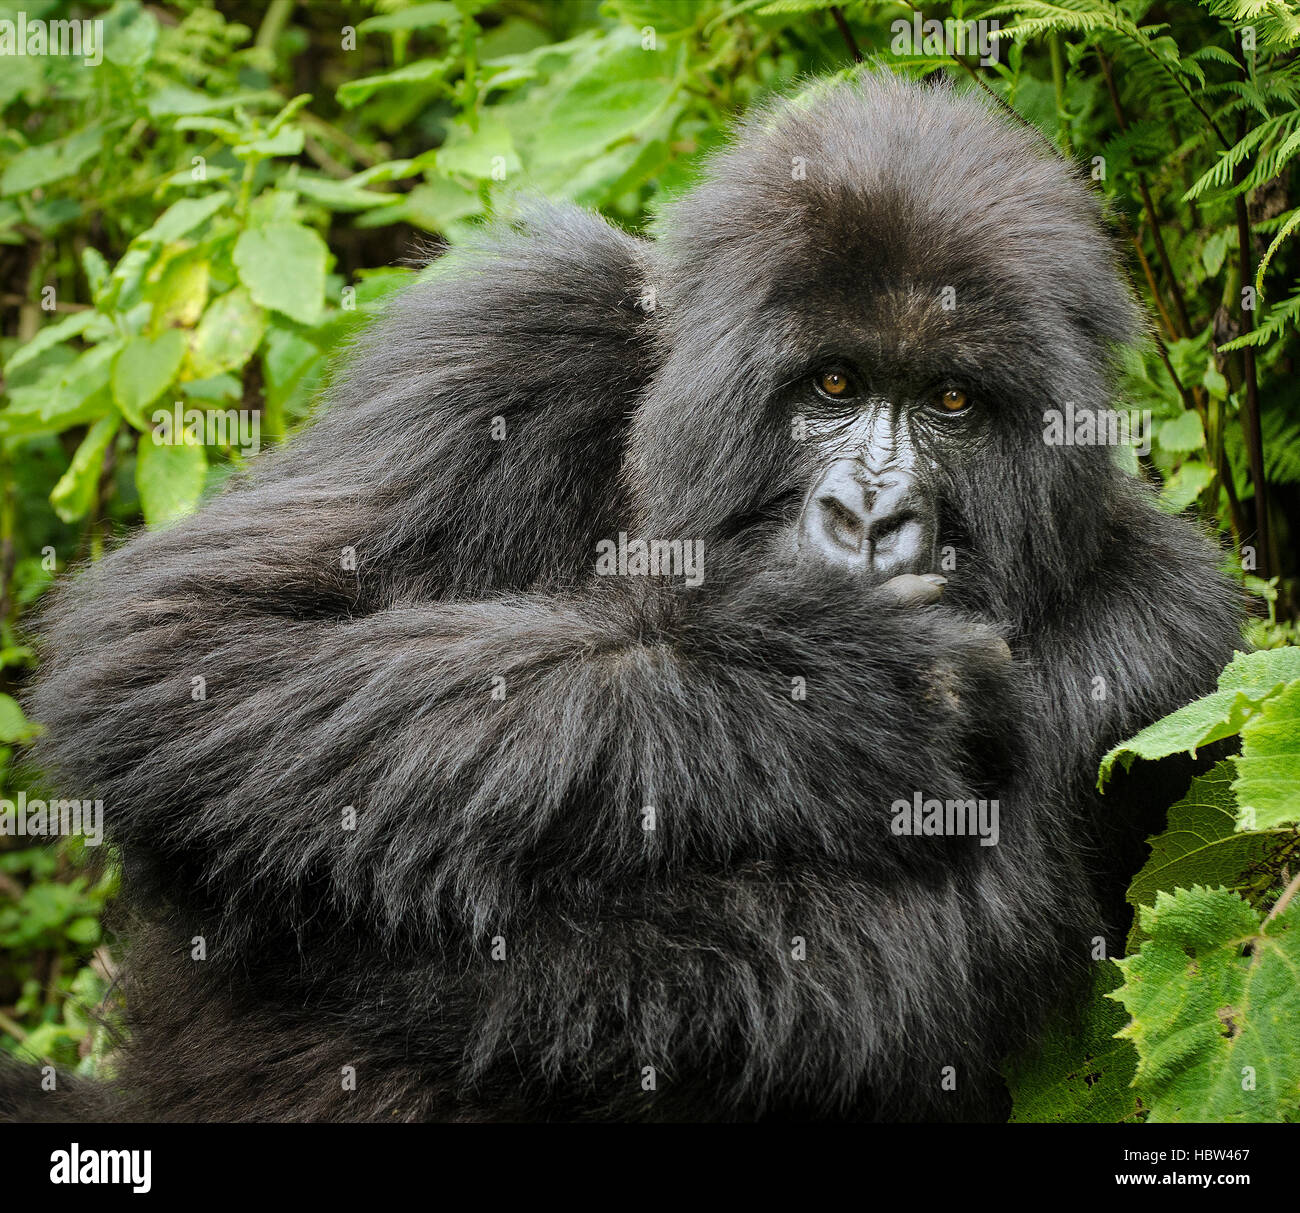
(468, 831)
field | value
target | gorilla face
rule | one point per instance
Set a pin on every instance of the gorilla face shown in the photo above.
(873, 504)
(866, 307)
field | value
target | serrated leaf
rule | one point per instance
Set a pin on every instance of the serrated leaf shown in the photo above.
(1244, 684)
(1182, 434)
(231, 329)
(143, 371)
(1268, 771)
(283, 266)
(1077, 1072)
(1214, 1004)
(50, 336)
(74, 494)
(622, 91)
(183, 217)
(170, 478)
(50, 162)
(1201, 844)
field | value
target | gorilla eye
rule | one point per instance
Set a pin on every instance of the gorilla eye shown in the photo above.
(836, 384)
(953, 400)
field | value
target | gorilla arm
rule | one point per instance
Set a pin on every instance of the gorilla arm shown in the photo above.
(470, 804)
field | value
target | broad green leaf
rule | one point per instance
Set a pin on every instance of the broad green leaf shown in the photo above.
(1185, 486)
(1244, 684)
(143, 371)
(1201, 844)
(440, 205)
(231, 329)
(50, 162)
(287, 142)
(291, 367)
(1077, 1071)
(51, 335)
(439, 14)
(81, 385)
(175, 99)
(15, 728)
(170, 478)
(182, 217)
(1214, 1004)
(1268, 771)
(283, 266)
(422, 71)
(130, 34)
(621, 92)
(75, 492)
(487, 154)
(179, 293)
(1182, 434)
(341, 195)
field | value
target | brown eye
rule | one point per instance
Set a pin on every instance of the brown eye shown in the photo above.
(953, 400)
(835, 384)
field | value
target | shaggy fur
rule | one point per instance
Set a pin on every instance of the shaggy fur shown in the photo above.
(647, 387)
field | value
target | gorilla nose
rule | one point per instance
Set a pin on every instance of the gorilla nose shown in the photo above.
(862, 520)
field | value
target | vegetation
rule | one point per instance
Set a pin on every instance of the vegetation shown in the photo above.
(202, 217)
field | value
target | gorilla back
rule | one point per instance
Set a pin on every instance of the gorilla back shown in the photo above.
(470, 830)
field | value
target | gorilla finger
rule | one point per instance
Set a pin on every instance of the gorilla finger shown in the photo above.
(912, 589)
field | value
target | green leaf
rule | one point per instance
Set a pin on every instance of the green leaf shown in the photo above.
(180, 292)
(95, 267)
(231, 329)
(1244, 684)
(283, 266)
(1214, 1003)
(181, 218)
(143, 371)
(440, 14)
(287, 142)
(83, 930)
(170, 478)
(1182, 434)
(621, 92)
(50, 336)
(75, 492)
(15, 728)
(422, 71)
(174, 99)
(487, 154)
(340, 195)
(1077, 1071)
(1268, 771)
(50, 162)
(1185, 485)
(1202, 844)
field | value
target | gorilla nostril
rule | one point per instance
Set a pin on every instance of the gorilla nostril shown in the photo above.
(880, 528)
(841, 524)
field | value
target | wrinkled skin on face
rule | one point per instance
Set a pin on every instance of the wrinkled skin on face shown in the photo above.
(871, 506)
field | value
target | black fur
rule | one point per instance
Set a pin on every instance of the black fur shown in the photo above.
(647, 387)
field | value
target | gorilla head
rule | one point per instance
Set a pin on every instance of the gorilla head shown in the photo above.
(869, 303)
(609, 828)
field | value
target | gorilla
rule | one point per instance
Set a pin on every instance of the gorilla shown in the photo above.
(551, 730)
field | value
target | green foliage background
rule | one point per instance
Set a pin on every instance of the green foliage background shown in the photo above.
(206, 215)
